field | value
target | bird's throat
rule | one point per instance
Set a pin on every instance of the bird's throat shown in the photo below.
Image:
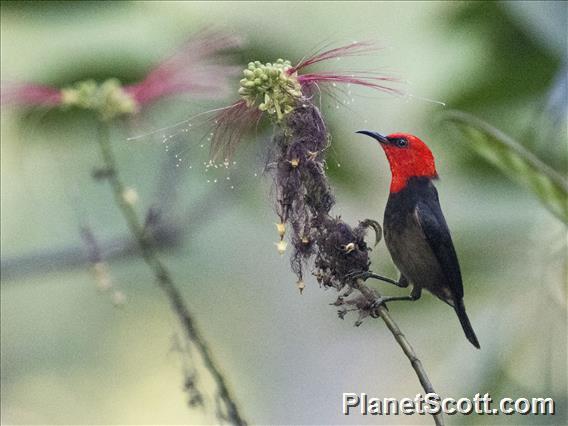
(404, 167)
(401, 176)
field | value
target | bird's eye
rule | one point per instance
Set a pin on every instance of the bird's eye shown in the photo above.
(401, 143)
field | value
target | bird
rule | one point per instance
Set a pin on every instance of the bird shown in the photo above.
(415, 230)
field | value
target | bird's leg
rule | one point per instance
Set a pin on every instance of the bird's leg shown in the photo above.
(379, 277)
(365, 275)
(414, 295)
(402, 281)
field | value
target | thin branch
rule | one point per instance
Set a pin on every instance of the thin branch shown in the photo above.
(163, 276)
(372, 295)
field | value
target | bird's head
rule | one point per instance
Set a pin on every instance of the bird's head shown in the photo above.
(408, 157)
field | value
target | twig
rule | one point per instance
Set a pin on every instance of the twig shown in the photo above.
(371, 296)
(167, 233)
(163, 276)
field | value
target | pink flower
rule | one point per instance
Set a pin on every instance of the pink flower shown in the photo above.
(230, 124)
(197, 69)
(31, 95)
(369, 79)
(278, 88)
(194, 69)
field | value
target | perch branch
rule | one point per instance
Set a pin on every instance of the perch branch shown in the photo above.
(163, 276)
(381, 311)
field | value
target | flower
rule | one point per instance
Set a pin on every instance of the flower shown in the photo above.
(281, 228)
(130, 196)
(301, 286)
(276, 89)
(281, 247)
(303, 197)
(196, 70)
(31, 95)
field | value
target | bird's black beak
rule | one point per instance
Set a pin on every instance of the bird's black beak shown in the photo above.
(374, 135)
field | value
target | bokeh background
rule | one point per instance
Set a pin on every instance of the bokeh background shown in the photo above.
(69, 356)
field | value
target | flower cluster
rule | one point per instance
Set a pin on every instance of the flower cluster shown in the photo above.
(108, 99)
(273, 84)
(303, 196)
(278, 88)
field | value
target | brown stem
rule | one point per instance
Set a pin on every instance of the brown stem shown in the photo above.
(163, 276)
(405, 345)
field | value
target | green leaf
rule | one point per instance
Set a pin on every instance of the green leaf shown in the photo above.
(513, 160)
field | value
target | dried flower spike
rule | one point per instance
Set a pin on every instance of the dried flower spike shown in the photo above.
(281, 247)
(300, 284)
(281, 228)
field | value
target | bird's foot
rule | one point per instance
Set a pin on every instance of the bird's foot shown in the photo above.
(374, 306)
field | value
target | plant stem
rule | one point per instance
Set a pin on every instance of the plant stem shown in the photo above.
(163, 277)
(403, 343)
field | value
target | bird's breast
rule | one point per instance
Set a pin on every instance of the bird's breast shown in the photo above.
(409, 248)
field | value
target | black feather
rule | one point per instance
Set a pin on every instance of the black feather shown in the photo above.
(421, 246)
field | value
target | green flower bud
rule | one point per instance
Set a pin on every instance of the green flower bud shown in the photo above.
(108, 98)
(271, 82)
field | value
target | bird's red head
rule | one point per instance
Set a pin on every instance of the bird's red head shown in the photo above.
(408, 157)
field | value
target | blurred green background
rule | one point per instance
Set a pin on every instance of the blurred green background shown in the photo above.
(68, 356)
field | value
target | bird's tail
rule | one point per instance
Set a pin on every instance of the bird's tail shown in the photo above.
(466, 325)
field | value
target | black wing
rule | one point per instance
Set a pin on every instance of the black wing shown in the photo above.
(431, 221)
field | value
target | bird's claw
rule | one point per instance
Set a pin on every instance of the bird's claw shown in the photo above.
(377, 303)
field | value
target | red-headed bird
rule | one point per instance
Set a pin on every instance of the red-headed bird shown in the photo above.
(416, 233)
